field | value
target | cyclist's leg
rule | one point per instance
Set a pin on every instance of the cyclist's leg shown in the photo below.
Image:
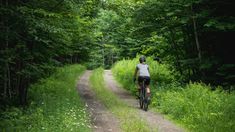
(148, 93)
(148, 86)
(139, 85)
(148, 89)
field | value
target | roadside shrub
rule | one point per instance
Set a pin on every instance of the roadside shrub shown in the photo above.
(124, 73)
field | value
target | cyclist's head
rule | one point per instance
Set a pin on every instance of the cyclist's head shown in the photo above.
(142, 59)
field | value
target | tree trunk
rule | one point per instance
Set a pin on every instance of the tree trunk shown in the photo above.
(196, 36)
(77, 58)
(6, 65)
(9, 80)
(18, 79)
(5, 85)
(23, 90)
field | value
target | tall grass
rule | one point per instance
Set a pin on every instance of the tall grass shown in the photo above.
(194, 105)
(54, 106)
(124, 73)
(129, 118)
(199, 108)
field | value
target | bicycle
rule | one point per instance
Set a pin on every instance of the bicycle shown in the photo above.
(143, 98)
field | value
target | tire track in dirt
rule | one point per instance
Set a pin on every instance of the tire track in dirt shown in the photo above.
(101, 119)
(155, 120)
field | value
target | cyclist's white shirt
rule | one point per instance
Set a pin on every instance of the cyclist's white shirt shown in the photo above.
(143, 70)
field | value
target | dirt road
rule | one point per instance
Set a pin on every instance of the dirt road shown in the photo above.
(101, 119)
(104, 121)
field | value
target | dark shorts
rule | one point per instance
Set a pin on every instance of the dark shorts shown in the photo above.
(141, 78)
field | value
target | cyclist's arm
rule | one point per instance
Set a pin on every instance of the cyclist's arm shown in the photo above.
(136, 70)
(148, 70)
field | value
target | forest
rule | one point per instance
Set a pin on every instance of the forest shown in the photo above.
(193, 38)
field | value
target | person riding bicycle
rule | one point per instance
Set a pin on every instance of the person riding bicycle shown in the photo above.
(143, 73)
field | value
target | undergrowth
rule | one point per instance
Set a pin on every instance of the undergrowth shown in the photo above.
(54, 106)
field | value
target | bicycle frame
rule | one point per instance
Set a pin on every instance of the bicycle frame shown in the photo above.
(143, 98)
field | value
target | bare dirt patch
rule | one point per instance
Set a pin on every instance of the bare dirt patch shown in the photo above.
(155, 120)
(101, 119)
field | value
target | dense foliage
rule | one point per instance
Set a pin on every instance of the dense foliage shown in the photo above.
(194, 105)
(54, 105)
(194, 36)
(38, 35)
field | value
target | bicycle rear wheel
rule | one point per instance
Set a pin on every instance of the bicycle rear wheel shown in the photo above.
(141, 98)
(145, 101)
(145, 104)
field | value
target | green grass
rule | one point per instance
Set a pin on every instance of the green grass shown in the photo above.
(194, 106)
(129, 118)
(54, 106)
(198, 108)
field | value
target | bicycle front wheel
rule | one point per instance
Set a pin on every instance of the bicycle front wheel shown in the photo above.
(141, 99)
